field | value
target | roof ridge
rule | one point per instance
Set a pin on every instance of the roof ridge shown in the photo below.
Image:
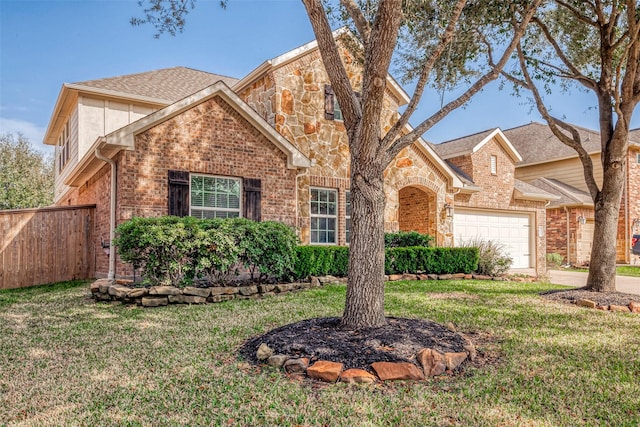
(468, 136)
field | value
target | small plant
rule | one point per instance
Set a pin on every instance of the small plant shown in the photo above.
(492, 259)
(554, 260)
(403, 239)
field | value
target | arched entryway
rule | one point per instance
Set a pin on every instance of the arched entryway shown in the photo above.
(417, 210)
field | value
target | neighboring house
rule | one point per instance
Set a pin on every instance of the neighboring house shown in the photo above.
(494, 205)
(549, 164)
(270, 146)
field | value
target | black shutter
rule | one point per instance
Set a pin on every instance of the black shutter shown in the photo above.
(328, 102)
(178, 193)
(252, 189)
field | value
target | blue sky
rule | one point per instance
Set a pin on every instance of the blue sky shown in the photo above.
(44, 44)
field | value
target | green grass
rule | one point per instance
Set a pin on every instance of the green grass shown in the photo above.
(65, 360)
(628, 270)
(623, 270)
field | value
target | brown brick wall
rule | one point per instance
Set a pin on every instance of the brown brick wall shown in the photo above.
(557, 232)
(415, 206)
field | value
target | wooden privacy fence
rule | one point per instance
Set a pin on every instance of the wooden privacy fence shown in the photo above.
(46, 245)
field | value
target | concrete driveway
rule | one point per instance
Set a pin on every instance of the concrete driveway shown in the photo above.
(626, 284)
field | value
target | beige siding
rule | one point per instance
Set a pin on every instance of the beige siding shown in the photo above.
(60, 188)
(569, 171)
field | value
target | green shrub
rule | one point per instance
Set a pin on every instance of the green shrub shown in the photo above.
(403, 239)
(333, 260)
(176, 251)
(321, 261)
(431, 260)
(554, 260)
(492, 259)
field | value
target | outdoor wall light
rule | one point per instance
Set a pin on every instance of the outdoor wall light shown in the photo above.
(106, 246)
(582, 220)
(448, 210)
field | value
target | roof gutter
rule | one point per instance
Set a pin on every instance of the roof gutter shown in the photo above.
(112, 210)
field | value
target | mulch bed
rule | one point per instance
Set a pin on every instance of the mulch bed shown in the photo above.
(602, 298)
(322, 339)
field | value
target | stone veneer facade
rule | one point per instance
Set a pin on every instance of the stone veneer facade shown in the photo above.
(291, 97)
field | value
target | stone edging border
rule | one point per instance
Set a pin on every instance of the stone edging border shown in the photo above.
(433, 363)
(155, 296)
(633, 307)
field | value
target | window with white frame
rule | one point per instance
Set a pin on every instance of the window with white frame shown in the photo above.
(63, 147)
(214, 197)
(324, 215)
(347, 216)
(494, 165)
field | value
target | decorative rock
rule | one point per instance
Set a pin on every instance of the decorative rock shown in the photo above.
(409, 277)
(424, 277)
(389, 371)
(103, 286)
(325, 370)
(458, 276)
(602, 307)
(586, 303)
(199, 292)
(454, 360)
(445, 277)
(480, 277)
(296, 366)
(277, 360)
(137, 292)
(265, 289)
(634, 306)
(95, 287)
(220, 298)
(315, 282)
(328, 280)
(187, 299)
(619, 308)
(432, 276)
(432, 361)
(264, 352)
(451, 326)
(471, 350)
(357, 376)
(284, 287)
(248, 290)
(154, 301)
(118, 291)
(395, 277)
(224, 290)
(164, 290)
(468, 276)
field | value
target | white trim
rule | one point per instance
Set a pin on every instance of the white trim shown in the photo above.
(296, 53)
(327, 216)
(502, 139)
(125, 136)
(216, 209)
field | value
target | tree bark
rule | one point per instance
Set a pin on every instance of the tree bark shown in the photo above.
(364, 305)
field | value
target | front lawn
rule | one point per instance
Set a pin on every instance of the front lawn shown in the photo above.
(628, 270)
(65, 360)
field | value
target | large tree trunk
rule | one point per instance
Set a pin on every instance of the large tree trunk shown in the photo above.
(602, 266)
(364, 306)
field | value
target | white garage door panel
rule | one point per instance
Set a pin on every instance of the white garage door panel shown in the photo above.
(513, 230)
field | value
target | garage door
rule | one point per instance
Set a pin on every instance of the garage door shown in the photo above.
(513, 230)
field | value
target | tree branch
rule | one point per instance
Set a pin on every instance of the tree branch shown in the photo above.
(578, 14)
(444, 41)
(493, 74)
(555, 124)
(358, 18)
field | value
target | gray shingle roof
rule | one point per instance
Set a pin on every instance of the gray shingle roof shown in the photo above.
(568, 194)
(536, 143)
(170, 84)
(466, 143)
(530, 190)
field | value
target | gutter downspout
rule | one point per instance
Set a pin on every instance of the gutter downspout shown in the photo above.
(112, 211)
(568, 236)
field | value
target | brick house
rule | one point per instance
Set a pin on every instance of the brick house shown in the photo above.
(549, 164)
(494, 204)
(269, 146)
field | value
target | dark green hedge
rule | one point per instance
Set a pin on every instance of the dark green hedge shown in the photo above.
(403, 239)
(333, 260)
